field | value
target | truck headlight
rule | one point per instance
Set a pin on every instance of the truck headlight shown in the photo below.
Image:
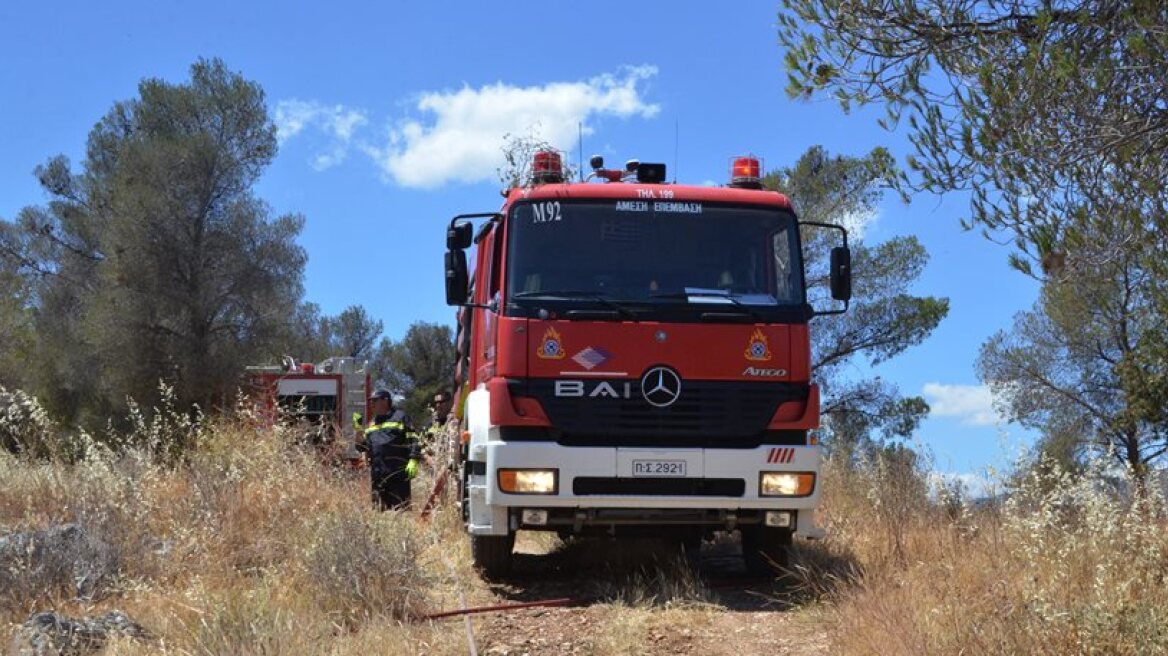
(528, 481)
(786, 484)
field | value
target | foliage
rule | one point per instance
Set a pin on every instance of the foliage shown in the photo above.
(875, 495)
(839, 188)
(518, 155)
(420, 365)
(250, 546)
(1054, 116)
(1052, 113)
(1069, 563)
(247, 541)
(63, 562)
(312, 336)
(168, 433)
(884, 319)
(354, 332)
(1081, 366)
(363, 567)
(309, 335)
(17, 336)
(156, 261)
(25, 427)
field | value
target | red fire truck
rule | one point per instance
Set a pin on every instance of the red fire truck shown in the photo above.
(327, 396)
(636, 361)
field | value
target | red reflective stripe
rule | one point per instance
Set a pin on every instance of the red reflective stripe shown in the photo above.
(778, 455)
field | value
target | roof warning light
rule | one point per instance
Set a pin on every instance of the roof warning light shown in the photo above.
(547, 166)
(746, 172)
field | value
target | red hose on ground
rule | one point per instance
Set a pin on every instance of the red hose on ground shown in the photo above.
(439, 486)
(563, 601)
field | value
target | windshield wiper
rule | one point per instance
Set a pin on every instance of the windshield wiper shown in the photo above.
(710, 294)
(578, 293)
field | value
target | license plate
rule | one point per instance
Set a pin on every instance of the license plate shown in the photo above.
(658, 468)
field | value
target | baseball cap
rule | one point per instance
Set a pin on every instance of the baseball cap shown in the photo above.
(381, 393)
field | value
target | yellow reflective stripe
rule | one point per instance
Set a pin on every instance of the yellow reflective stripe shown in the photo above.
(389, 424)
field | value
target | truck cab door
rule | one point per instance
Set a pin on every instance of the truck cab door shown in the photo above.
(487, 282)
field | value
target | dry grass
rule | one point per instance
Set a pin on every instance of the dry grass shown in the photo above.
(1066, 566)
(241, 542)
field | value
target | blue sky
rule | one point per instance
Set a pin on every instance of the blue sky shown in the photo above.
(391, 114)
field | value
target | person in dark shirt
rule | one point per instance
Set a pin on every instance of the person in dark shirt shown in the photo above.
(389, 444)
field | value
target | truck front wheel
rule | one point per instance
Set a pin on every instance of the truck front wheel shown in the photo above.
(765, 550)
(491, 554)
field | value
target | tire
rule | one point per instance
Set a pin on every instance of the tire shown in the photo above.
(766, 550)
(491, 554)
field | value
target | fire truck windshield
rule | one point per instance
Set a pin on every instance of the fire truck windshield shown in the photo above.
(653, 257)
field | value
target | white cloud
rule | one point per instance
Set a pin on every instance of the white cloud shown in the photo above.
(335, 125)
(461, 136)
(972, 404)
(291, 117)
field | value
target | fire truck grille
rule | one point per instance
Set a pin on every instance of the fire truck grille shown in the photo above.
(715, 414)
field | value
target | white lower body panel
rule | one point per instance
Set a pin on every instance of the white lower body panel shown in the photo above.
(490, 507)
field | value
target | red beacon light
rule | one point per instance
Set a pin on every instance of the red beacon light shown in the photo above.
(547, 166)
(746, 172)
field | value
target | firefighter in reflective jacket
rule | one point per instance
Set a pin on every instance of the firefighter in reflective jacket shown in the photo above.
(392, 452)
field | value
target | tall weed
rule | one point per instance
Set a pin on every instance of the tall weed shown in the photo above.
(365, 565)
(26, 429)
(1068, 563)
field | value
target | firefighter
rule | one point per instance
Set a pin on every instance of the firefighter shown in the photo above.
(439, 409)
(433, 432)
(392, 451)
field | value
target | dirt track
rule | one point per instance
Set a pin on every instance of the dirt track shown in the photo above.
(625, 602)
(585, 630)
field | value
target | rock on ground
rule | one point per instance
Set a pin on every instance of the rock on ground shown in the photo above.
(52, 634)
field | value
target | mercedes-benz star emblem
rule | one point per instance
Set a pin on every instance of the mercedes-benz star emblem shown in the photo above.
(660, 386)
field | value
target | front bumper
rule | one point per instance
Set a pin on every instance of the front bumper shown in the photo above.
(596, 485)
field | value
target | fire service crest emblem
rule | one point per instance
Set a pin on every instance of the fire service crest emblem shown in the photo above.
(757, 349)
(552, 346)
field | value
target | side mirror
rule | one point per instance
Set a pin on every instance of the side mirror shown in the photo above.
(841, 273)
(459, 236)
(456, 275)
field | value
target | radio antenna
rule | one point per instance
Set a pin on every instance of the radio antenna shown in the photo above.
(580, 152)
(676, 138)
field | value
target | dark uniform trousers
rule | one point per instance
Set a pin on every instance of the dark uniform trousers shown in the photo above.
(390, 446)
